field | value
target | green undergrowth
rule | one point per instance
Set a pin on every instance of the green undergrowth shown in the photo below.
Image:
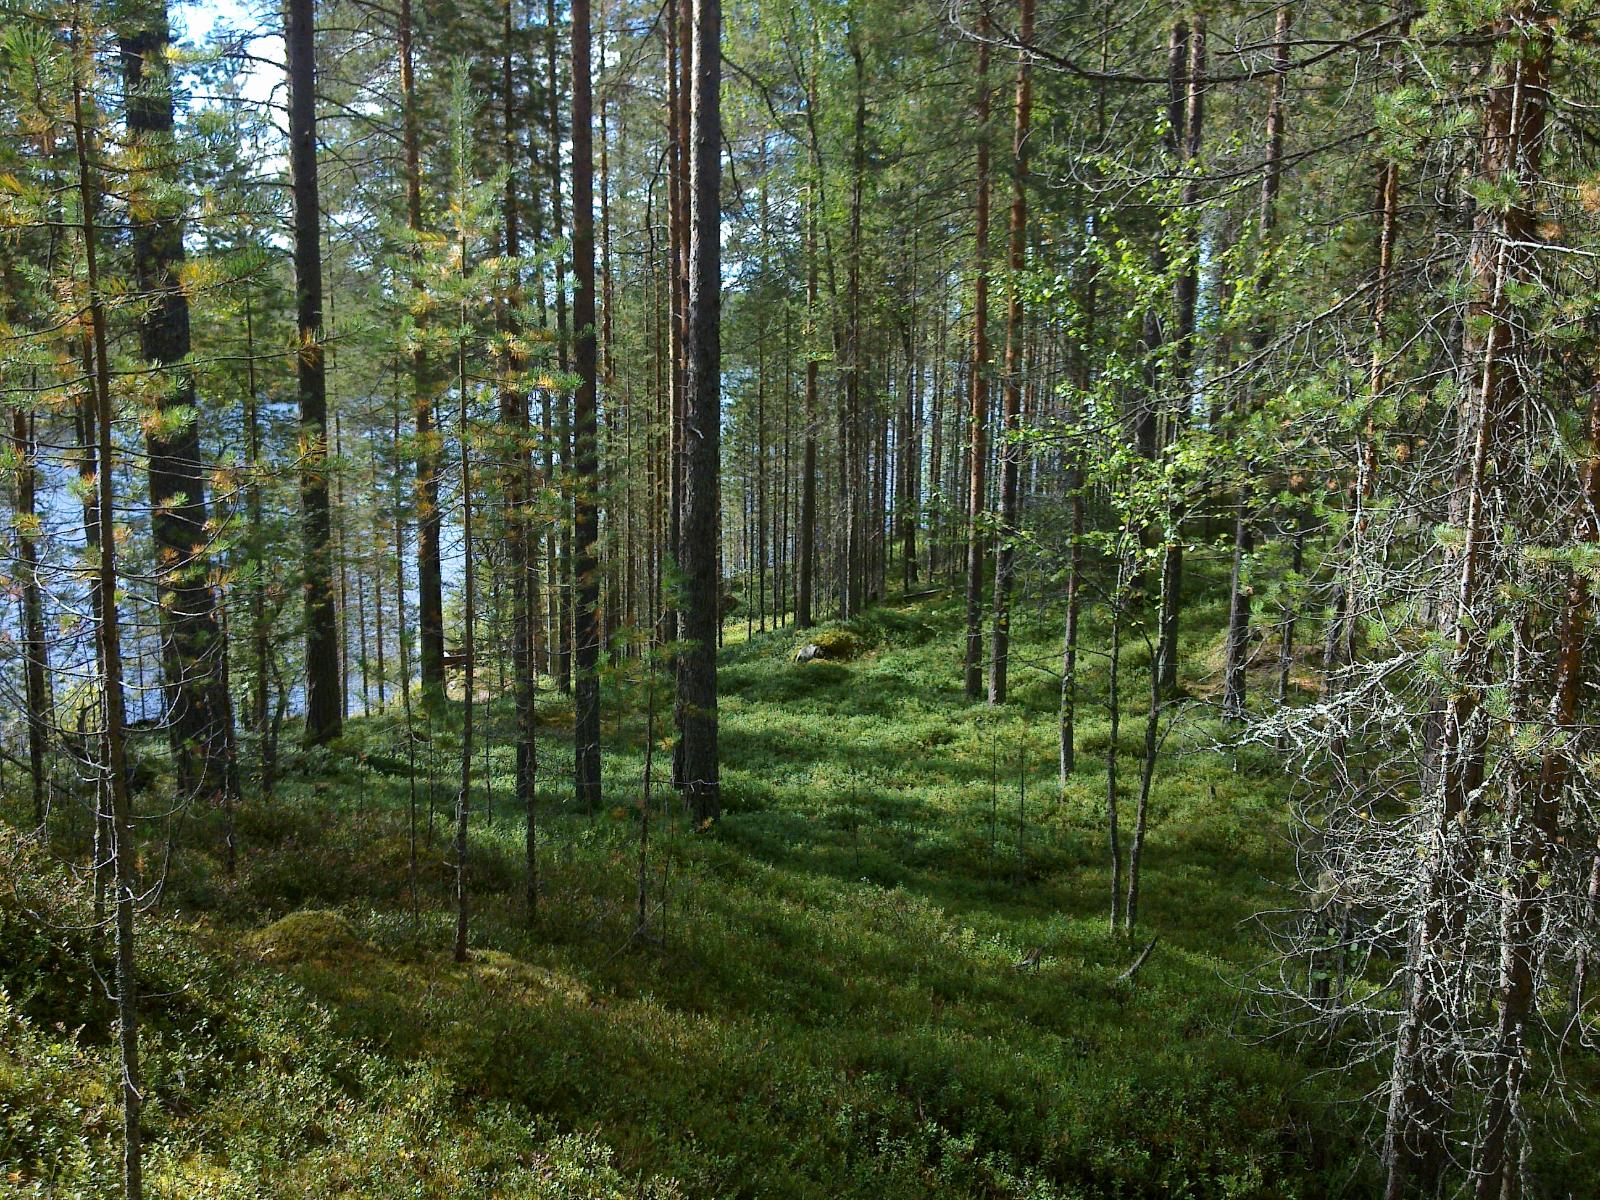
(887, 973)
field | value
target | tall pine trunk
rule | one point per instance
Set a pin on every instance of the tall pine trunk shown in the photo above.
(323, 705)
(807, 531)
(1500, 264)
(517, 476)
(430, 575)
(978, 424)
(1238, 637)
(1187, 298)
(114, 765)
(1011, 451)
(199, 708)
(585, 482)
(697, 675)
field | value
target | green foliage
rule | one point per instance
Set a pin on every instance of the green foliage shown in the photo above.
(830, 1006)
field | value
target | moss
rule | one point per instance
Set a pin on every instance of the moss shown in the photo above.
(828, 645)
(311, 934)
(497, 968)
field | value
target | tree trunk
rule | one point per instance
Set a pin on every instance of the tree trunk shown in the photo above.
(468, 625)
(430, 575)
(321, 627)
(1066, 721)
(200, 711)
(1011, 451)
(586, 630)
(808, 458)
(35, 651)
(1183, 342)
(979, 422)
(517, 477)
(561, 579)
(1535, 832)
(124, 855)
(1496, 339)
(697, 678)
(1238, 636)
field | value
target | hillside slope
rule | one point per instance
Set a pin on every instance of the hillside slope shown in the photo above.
(886, 974)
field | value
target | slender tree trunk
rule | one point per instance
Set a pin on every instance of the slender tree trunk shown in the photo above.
(1067, 710)
(1010, 500)
(1119, 604)
(909, 501)
(1141, 811)
(260, 624)
(853, 449)
(124, 854)
(761, 496)
(1187, 298)
(586, 631)
(806, 570)
(697, 679)
(1512, 141)
(321, 626)
(35, 651)
(979, 422)
(677, 210)
(430, 575)
(517, 477)
(561, 579)
(468, 628)
(1237, 662)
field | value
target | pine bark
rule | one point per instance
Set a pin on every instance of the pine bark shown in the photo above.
(807, 531)
(200, 710)
(1512, 142)
(586, 512)
(430, 575)
(323, 704)
(1237, 660)
(517, 474)
(1187, 298)
(697, 676)
(978, 424)
(123, 853)
(1011, 410)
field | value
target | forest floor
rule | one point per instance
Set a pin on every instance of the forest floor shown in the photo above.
(887, 973)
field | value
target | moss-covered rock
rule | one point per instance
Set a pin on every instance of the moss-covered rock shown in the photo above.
(828, 645)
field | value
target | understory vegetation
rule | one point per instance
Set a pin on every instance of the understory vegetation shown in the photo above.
(886, 973)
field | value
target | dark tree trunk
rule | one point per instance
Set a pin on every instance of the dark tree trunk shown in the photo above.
(1187, 297)
(1011, 451)
(430, 575)
(697, 676)
(123, 853)
(35, 651)
(469, 648)
(323, 704)
(517, 479)
(1512, 142)
(200, 712)
(561, 578)
(807, 531)
(978, 425)
(586, 519)
(908, 500)
(1238, 638)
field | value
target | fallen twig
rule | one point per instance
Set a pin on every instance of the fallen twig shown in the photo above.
(1133, 970)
